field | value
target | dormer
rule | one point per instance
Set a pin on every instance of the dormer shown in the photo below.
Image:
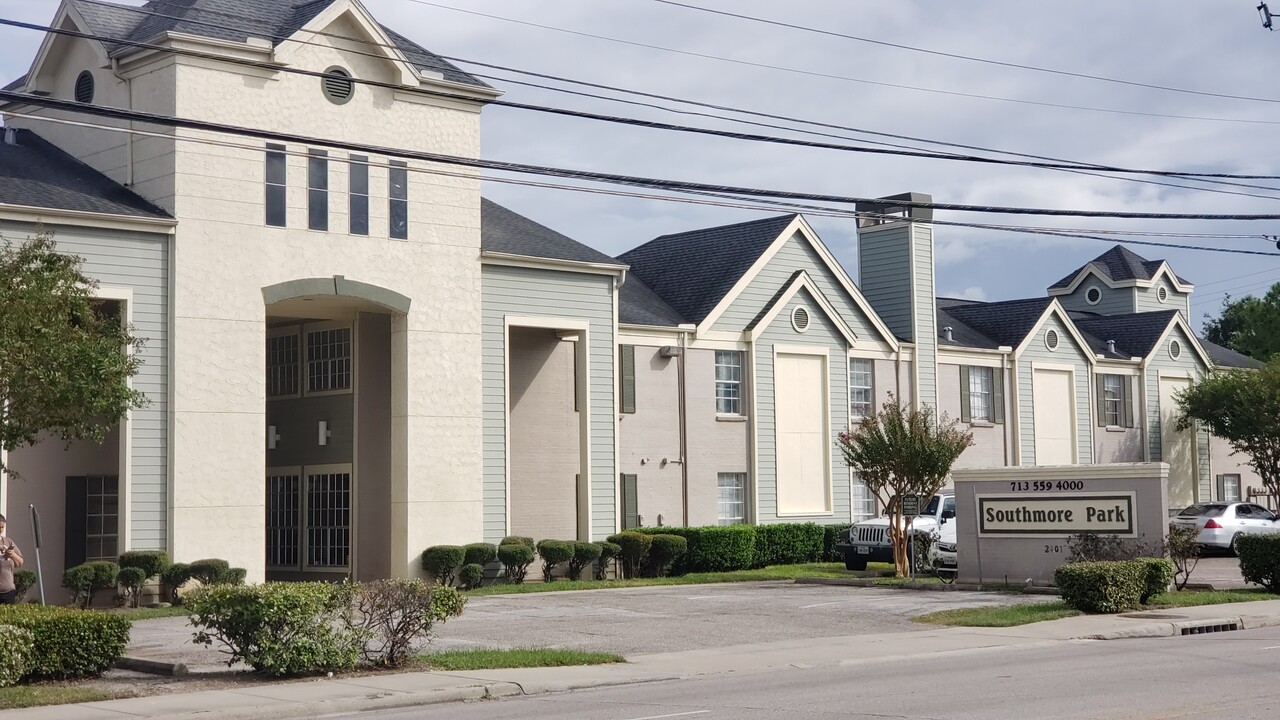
(1120, 281)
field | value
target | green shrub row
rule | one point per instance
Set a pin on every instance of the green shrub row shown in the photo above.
(1260, 560)
(69, 643)
(1111, 586)
(17, 654)
(466, 565)
(649, 554)
(727, 548)
(134, 570)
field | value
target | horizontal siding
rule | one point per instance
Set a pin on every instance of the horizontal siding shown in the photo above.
(926, 316)
(821, 332)
(1068, 353)
(138, 262)
(511, 291)
(797, 254)
(1148, 300)
(1117, 301)
(1188, 364)
(884, 275)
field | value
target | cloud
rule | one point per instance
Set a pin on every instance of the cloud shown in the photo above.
(969, 293)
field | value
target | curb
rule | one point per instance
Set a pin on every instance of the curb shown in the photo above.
(1177, 628)
(381, 700)
(151, 667)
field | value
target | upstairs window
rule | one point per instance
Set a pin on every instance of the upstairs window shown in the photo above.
(1114, 406)
(276, 186)
(318, 190)
(399, 195)
(981, 394)
(860, 384)
(359, 191)
(329, 360)
(728, 382)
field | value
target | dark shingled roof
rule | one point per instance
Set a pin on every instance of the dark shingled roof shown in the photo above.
(1119, 263)
(1002, 323)
(504, 231)
(1226, 357)
(961, 334)
(35, 173)
(237, 21)
(1136, 334)
(17, 83)
(638, 305)
(693, 271)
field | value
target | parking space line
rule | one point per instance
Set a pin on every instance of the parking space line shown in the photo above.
(673, 715)
(825, 604)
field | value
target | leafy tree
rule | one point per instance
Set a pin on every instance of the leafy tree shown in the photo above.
(65, 361)
(902, 451)
(1243, 408)
(1248, 325)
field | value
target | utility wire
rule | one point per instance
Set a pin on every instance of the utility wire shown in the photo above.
(728, 201)
(721, 117)
(971, 58)
(632, 121)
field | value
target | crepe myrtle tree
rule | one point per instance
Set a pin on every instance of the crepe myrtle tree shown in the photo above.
(1243, 408)
(903, 451)
(65, 360)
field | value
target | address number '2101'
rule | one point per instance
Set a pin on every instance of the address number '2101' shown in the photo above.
(1045, 485)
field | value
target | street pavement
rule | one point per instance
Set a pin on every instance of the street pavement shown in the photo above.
(1223, 675)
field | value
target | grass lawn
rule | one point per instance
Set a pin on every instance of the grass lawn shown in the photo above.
(773, 572)
(490, 659)
(1192, 598)
(999, 616)
(23, 696)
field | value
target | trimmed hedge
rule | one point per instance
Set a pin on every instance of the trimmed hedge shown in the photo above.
(1260, 560)
(515, 556)
(789, 544)
(17, 654)
(131, 580)
(441, 562)
(69, 643)
(830, 536)
(517, 540)
(471, 576)
(151, 562)
(479, 553)
(215, 571)
(553, 553)
(608, 551)
(174, 577)
(24, 580)
(635, 547)
(584, 555)
(1159, 573)
(665, 551)
(83, 581)
(1108, 586)
(713, 548)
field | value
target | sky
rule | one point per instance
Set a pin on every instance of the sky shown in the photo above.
(655, 47)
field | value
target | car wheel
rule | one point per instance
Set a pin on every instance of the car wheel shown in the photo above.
(860, 564)
(1234, 542)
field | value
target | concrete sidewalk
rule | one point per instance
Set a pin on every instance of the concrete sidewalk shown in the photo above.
(385, 691)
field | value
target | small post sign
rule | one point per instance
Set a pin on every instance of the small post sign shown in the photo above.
(910, 505)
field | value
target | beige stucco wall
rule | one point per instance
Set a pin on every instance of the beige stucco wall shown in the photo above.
(714, 445)
(1222, 460)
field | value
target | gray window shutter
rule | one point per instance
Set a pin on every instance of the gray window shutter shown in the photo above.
(1126, 402)
(1101, 382)
(627, 378)
(966, 413)
(75, 536)
(1222, 487)
(630, 504)
(997, 395)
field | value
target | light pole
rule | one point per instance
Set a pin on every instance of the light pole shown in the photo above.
(1265, 13)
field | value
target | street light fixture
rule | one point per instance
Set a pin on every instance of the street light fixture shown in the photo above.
(1265, 13)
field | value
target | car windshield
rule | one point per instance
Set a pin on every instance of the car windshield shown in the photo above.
(1203, 511)
(931, 508)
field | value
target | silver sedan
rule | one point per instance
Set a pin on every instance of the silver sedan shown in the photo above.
(1222, 524)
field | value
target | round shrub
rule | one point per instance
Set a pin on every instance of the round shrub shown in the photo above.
(69, 643)
(517, 540)
(210, 571)
(132, 579)
(665, 550)
(83, 581)
(1260, 560)
(608, 551)
(392, 616)
(151, 562)
(635, 546)
(553, 553)
(17, 654)
(479, 554)
(471, 575)
(1159, 576)
(23, 580)
(584, 554)
(174, 577)
(516, 558)
(235, 576)
(1107, 586)
(442, 561)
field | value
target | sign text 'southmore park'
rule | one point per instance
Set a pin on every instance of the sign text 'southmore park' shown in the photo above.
(1062, 515)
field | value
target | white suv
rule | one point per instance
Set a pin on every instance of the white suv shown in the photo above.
(868, 541)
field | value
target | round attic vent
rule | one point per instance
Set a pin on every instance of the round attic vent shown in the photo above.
(1175, 349)
(800, 319)
(84, 87)
(337, 85)
(1162, 294)
(1093, 295)
(1051, 339)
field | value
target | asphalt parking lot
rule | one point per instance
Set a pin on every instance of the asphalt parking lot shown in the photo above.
(690, 617)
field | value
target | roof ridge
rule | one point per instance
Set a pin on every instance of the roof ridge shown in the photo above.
(771, 218)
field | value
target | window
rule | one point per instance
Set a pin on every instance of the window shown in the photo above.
(318, 190)
(102, 518)
(329, 360)
(732, 498)
(308, 518)
(284, 518)
(359, 191)
(860, 384)
(1113, 400)
(276, 175)
(1093, 295)
(1229, 488)
(980, 392)
(399, 194)
(864, 501)
(328, 520)
(282, 365)
(728, 382)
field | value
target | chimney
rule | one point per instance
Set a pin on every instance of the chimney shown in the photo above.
(895, 267)
(1111, 346)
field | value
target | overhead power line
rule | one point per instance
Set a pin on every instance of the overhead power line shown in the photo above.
(636, 122)
(612, 178)
(722, 200)
(971, 58)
